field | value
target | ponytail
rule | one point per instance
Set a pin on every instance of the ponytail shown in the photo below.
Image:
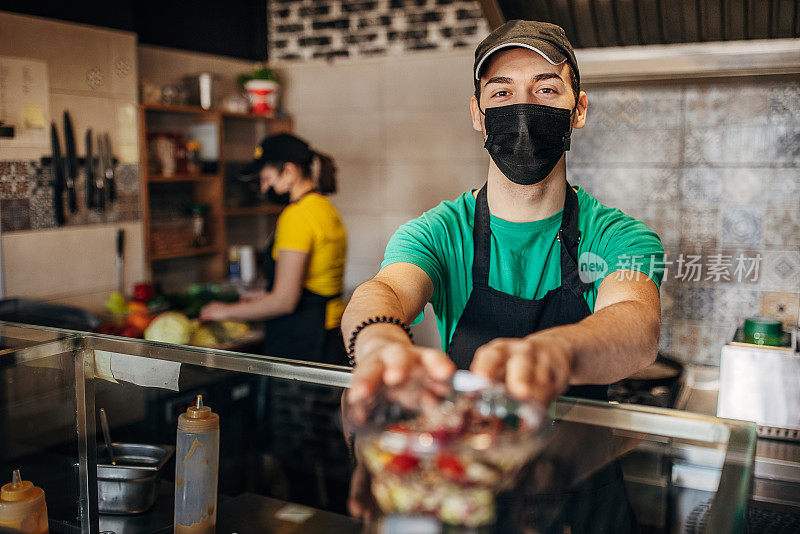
(324, 173)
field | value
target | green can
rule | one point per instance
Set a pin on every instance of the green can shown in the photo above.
(763, 331)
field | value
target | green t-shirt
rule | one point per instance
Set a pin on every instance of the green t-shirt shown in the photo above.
(526, 256)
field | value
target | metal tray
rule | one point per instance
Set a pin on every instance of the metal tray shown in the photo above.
(130, 487)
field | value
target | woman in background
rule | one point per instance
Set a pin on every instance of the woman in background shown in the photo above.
(304, 264)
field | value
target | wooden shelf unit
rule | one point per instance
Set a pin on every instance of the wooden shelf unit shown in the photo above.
(266, 209)
(206, 188)
(156, 178)
(185, 253)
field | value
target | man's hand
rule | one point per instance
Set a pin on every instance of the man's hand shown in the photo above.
(391, 360)
(535, 367)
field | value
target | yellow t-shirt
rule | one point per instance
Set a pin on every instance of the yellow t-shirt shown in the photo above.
(313, 225)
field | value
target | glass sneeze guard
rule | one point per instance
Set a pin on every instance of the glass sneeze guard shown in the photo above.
(280, 437)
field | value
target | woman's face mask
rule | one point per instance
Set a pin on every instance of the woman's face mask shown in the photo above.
(527, 140)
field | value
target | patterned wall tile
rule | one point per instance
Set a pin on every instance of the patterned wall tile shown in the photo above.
(743, 187)
(786, 150)
(704, 146)
(733, 303)
(742, 226)
(699, 227)
(620, 187)
(614, 147)
(783, 305)
(752, 145)
(15, 214)
(612, 109)
(17, 180)
(701, 186)
(665, 343)
(783, 187)
(30, 182)
(782, 228)
(780, 270)
(127, 207)
(660, 186)
(42, 210)
(784, 101)
(623, 187)
(695, 303)
(721, 104)
(587, 177)
(127, 176)
(635, 107)
(698, 343)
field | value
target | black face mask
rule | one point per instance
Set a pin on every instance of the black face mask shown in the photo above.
(527, 140)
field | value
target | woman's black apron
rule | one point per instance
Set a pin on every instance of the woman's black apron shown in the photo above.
(300, 335)
(490, 313)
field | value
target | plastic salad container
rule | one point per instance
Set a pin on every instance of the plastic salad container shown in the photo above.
(448, 452)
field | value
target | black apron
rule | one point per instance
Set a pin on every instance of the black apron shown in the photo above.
(490, 313)
(300, 335)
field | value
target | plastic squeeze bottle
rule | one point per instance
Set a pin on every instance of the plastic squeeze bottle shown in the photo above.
(22, 507)
(196, 463)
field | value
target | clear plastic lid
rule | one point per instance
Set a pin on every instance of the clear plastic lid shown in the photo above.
(444, 449)
(468, 416)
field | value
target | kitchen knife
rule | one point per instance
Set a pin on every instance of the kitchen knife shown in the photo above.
(72, 163)
(99, 179)
(111, 179)
(91, 192)
(58, 177)
(120, 258)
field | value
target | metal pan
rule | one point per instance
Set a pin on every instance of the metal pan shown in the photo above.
(130, 486)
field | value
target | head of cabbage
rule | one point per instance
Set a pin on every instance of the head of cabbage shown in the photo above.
(170, 327)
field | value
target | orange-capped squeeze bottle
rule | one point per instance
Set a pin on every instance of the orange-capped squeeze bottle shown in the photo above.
(22, 507)
(196, 462)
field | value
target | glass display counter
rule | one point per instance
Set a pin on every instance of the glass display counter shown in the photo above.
(284, 462)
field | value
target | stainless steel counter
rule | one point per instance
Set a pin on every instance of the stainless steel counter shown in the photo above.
(776, 470)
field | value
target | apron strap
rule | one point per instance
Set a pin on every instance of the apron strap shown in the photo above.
(570, 237)
(481, 236)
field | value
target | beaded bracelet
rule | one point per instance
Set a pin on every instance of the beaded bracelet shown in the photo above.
(351, 345)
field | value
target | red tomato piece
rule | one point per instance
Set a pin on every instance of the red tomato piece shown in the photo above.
(401, 464)
(450, 466)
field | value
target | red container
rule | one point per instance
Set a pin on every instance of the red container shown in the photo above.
(263, 95)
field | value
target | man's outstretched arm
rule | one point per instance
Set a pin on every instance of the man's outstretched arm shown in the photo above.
(383, 352)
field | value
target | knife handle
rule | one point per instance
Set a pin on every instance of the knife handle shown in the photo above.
(58, 203)
(101, 196)
(91, 191)
(72, 199)
(120, 242)
(112, 190)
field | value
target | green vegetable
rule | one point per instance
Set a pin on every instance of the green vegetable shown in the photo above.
(116, 303)
(263, 73)
(170, 327)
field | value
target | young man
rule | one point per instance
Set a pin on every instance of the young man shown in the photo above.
(501, 265)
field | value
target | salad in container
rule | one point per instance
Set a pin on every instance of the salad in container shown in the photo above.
(446, 450)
